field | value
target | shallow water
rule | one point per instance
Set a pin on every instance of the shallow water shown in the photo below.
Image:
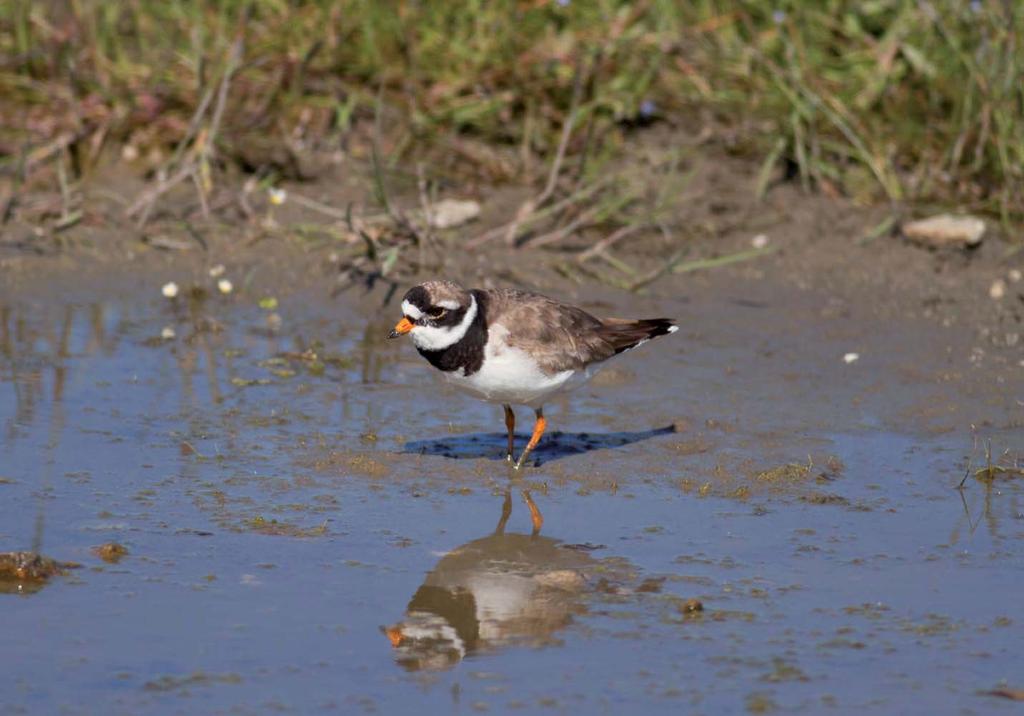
(312, 522)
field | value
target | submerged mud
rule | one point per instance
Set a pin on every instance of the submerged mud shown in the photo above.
(292, 514)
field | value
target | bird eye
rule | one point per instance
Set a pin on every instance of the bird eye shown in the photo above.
(437, 313)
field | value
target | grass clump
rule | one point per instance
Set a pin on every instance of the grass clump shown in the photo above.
(887, 100)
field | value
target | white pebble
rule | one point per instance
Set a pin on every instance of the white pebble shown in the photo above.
(759, 241)
(997, 290)
(851, 358)
(449, 213)
(167, 333)
(217, 270)
(225, 286)
(1015, 275)
(169, 289)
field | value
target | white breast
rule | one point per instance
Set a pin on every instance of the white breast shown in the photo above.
(510, 375)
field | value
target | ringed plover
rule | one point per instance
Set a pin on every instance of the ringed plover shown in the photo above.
(514, 347)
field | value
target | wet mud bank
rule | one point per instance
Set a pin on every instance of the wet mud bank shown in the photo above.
(310, 521)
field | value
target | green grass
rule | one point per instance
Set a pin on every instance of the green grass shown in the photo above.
(881, 100)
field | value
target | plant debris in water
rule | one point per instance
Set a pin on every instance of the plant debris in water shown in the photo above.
(22, 572)
(272, 526)
(111, 552)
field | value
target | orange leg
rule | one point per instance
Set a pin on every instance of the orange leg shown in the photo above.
(510, 423)
(538, 430)
(506, 512)
(535, 516)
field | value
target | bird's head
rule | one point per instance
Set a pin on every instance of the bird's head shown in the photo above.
(425, 641)
(436, 314)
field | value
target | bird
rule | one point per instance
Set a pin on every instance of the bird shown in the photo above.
(515, 347)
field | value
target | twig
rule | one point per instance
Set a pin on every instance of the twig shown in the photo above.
(42, 154)
(318, 207)
(148, 198)
(234, 59)
(618, 263)
(580, 195)
(398, 217)
(657, 273)
(65, 190)
(201, 191)
(529, 207)
(560, 233)
(193, 126)
(426, 206)
(700, 264)
(609, 241)
(201, 148)
(563, 143)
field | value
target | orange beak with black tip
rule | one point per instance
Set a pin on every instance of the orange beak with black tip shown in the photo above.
(403, 327)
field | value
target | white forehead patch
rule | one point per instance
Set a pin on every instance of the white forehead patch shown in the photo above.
(411, 311)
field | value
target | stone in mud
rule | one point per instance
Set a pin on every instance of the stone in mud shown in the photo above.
(945, 231)
(449, 213)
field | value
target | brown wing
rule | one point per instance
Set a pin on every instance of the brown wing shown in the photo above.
(563, 337)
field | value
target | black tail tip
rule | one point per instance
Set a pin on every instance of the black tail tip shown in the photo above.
(661, 326)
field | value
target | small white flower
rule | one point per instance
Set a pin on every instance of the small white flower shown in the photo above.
(759, 241)
(277, 196)
(851, 358)
(225, 286)
(217, 270)
(169, 289)
(167, 333)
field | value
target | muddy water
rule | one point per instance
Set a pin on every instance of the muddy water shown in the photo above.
(312, 523)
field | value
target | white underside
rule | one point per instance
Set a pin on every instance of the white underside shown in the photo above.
(510, 375)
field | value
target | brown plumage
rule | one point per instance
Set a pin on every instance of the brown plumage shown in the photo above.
(564, 337)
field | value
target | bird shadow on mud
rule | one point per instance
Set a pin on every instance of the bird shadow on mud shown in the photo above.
(553, 445)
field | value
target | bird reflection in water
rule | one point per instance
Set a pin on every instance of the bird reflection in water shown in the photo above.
(493, 592)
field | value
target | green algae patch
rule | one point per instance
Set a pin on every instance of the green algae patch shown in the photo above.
(788, 473)
(110, 552)
(199, 678)
(275, 527)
